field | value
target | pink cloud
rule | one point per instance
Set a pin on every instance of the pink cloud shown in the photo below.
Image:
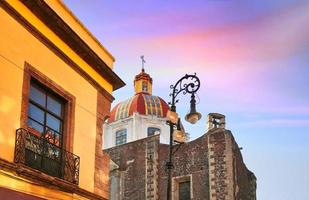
(238, 63)
(276, 122)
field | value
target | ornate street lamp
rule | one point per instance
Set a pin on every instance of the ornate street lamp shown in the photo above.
(189, 84)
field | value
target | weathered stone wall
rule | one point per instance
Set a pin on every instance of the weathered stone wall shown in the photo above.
(190, 160)
(137, 168)
(245, 180)
(229, 176)
(219, 175)
(213, 164)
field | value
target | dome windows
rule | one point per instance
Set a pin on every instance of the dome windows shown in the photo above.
(144, 86)
(121, 137)
(153, 131)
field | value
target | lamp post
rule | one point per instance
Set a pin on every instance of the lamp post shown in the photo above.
(189, 84)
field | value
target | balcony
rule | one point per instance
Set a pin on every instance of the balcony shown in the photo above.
(41, 154)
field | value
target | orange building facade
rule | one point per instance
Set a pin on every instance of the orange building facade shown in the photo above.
(55, 93)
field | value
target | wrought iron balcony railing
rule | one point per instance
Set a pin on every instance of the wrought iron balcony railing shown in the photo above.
(39, 153)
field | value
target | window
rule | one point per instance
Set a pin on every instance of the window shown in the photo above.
(46, 117)
(152, 131)
(121, 137)
(45, 113)
(46, 137)
(144, 86)
(184, 190)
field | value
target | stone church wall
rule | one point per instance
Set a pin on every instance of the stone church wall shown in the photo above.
(190, 162)
(129, 175)
(212, 163)
(228, 174)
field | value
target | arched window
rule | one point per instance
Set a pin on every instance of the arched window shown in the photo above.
(153, 130)
(144, 86)
(121, 137)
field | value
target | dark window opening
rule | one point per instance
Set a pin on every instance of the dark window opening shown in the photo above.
(184, 190)
(152, 131)
(144, 86)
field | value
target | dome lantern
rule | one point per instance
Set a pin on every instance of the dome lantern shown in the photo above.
(143, 102)
(143, 81)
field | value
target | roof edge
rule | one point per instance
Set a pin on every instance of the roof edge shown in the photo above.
(47, 15)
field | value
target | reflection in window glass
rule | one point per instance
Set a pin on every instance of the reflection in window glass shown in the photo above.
(54, 106)
(35, 125)
(37, 95)
(45, 113)
(36, 113)
(53, 122)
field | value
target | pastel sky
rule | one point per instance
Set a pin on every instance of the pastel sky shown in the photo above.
(253, 61)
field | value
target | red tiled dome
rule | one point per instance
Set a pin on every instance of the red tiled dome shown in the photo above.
(142, 103)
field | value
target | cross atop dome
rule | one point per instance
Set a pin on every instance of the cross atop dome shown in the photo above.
(143, 62)
(143, 81)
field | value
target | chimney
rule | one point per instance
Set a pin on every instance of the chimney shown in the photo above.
(215, 120)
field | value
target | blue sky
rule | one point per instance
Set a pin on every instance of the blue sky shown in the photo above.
(253, 61)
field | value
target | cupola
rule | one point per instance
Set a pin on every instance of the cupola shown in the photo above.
(143, 102)
(143, 81)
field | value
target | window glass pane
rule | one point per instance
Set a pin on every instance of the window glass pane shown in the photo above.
(45, 113)
(37, 95)
(184, 190)
(121, 132)
(53, 122)
(35, 125)
(54, 106)
(152, 130)
(36, 113)
(121, 137)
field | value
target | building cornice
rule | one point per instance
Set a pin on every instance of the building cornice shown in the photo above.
(46, 180)
(42, 10)
(56, 24)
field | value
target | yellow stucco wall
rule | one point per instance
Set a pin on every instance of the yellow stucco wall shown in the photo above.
(10, 181)
(138, 86)
(82, 32)
(18, 46)
(30, 17)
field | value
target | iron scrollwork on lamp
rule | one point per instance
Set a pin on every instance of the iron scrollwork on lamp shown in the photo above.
(189, 84)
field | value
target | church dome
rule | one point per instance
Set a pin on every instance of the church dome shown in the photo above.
(142, 103)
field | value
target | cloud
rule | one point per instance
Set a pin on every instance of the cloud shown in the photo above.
(275, 123)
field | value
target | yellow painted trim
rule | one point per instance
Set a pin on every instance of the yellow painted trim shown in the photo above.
(13, 182)
(68, 10)
(138, 86)
(40, 26)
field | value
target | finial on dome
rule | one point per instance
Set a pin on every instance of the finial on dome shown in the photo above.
(143, 62)
(142, 81)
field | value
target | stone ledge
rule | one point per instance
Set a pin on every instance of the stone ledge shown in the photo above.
(46, 180)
